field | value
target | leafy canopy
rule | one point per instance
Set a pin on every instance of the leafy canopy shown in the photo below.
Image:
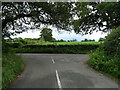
(91, 16)
(96, 16)
(18, 15)
(112, 43)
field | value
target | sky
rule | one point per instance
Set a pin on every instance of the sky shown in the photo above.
(65, 35)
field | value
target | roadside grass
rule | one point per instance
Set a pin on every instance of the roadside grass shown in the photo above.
(105, 64)
(12, 65)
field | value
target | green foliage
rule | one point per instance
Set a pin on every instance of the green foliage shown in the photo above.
(12, 66)
(56, 49)
(46, 34)
(109, 12)
(92, 16)
(101, 39)
(69, 43)
(112, 43)
(41, 39)
(107, 58)
(22, 41)
(34, 14)
(5, 47)
(106, 64)
(14, 44)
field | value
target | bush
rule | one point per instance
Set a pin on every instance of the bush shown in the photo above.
(107, 58)
(101, 62)
(112, 43)
(12, 65)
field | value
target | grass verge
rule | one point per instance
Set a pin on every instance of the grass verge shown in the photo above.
(12, 65)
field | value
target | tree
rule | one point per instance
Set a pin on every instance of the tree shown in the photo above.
(112, 43)
(46, 33)
(18, 15)
(41, 39)
(74, 40)
(91, 16)
(101, 39)
(96, 16)
(61, 40)
(53, 39)
(86, 40)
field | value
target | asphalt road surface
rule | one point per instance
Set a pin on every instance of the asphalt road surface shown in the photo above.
(60, 71)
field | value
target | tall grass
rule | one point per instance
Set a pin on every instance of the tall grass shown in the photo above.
(12, 66)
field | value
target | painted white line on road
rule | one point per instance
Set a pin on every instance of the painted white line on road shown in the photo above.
(53, 60)
(58, 80)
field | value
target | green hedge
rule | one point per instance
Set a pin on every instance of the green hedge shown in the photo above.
(56, 49)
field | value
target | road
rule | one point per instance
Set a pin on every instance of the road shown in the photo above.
(60, 71)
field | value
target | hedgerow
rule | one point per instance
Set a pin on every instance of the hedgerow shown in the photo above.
(107, 57)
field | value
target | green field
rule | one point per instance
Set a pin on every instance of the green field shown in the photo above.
(68, 43)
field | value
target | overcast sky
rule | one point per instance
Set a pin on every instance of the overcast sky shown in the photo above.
(65, 35)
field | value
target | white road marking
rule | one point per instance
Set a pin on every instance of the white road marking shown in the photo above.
(58, 80)
(57, 76)
(53, 60)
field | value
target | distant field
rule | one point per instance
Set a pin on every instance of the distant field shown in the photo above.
(68, 43)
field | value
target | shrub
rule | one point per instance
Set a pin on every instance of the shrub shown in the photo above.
(101, 62)
(107, 58)
(112, 42)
